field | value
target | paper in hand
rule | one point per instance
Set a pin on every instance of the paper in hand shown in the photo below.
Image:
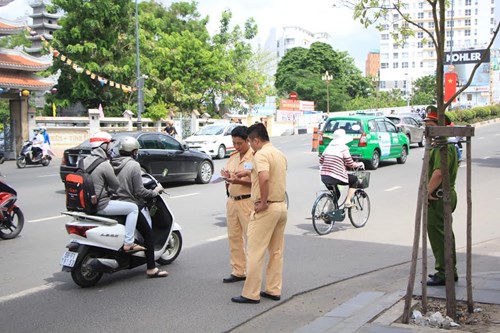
(217, 179)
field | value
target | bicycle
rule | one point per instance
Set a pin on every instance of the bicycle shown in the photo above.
(326, 209)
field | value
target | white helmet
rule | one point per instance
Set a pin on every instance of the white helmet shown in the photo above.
(97, 139)
(128, 144)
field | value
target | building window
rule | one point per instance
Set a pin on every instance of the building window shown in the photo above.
(395, 47)
(384, 65)
(382, 84)
(431, 54)
(395, 26)
(421, 5)
(492, 20)
(395, 16)
(396, 84)
(430, 24)
(395, 65)
(420, 34)
(430, 44)
(395, 55)
(421, 64)
(384, 56)
(404, 55)
(467, 12)
(420, 16)
(468, 2)
(420, 45)
(404, 64)
(385, 36)
(467, 32)
(385, 27)
(413, 64)
(450, 24)
(467, 22)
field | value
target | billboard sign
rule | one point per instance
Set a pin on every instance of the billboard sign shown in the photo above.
(465, 57)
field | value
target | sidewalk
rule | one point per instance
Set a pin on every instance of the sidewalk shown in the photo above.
(374, 302)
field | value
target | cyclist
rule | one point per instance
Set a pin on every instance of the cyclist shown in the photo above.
(334, 161)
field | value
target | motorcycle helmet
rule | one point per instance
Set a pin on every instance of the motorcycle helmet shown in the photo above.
(97, 139)
(128, 146)
(43, 129)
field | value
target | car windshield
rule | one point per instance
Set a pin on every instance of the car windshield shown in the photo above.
(210, 130)
(395, 120)
(348, 125)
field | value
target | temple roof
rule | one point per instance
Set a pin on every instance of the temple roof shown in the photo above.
(23, 80)
(46, 25)
(18, 60)
(45, 14)
(10, 27)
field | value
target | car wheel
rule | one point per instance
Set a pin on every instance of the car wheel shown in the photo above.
(375, 160)
(221, 152)
(205, 171)
(422, 142)
(404, 155)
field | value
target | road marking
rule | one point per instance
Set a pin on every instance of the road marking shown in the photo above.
(53, 175)
(218, 238)
(393, 188)
(183, 195)
(47, 219)
(30, 291)
(485, 158)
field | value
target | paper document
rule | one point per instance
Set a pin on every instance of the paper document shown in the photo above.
(217, 179)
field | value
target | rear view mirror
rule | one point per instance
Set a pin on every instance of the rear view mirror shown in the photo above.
(185, 146)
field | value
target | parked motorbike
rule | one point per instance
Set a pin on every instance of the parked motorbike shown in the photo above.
(96, 241)
(26, 156)
(11, 216)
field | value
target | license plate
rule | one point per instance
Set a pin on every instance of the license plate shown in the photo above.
(69, 258)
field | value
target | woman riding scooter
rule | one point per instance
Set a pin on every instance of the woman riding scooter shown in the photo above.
(128, 172)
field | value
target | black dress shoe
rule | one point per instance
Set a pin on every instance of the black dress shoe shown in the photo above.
(233, 278)
(435, 274)
(273, 297)
(435, 280)
(241, 299)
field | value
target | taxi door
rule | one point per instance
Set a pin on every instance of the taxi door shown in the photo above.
(384, 139)
(395, 135)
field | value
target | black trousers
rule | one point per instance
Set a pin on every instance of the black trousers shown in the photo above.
(147, 233)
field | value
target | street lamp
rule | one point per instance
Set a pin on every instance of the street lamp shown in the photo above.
(376, 86)
(327, 78)
(140, 79)
(407, 92)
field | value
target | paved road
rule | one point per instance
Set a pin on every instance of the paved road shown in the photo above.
(36, 296)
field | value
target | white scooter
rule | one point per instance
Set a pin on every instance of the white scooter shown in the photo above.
(96, 241)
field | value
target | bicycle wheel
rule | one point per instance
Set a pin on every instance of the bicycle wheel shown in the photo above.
(360, 213)
(323, 205)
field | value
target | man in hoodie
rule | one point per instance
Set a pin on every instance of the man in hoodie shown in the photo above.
(105, 183)
(132, 190)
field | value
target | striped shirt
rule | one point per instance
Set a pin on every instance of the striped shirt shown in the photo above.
(334, 160)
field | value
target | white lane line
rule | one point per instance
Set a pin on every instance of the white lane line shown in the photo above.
(53, 175)
(182, 196)
(214, 239)
(486, 157)
(47, 219)
(27, 292)
(393, 188)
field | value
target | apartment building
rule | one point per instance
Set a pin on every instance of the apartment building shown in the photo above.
(281, 40)
(469, 26)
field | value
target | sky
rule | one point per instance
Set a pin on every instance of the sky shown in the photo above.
(317, 16)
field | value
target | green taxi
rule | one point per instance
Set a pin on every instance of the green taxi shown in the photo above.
(375, 138)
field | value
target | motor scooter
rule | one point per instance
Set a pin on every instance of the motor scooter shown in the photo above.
(26, 156)
(96, 241)
(11, 216)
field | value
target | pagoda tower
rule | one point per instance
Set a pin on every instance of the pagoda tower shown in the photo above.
(17, 82)
(44, 24)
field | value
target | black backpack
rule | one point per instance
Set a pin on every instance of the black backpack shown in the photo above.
(80, 191)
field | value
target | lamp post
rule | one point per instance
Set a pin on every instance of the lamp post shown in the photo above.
(327, 78)
(376, 86)
(407, 92)
(140, 79)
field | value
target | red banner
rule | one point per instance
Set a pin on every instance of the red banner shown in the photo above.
(450, 85)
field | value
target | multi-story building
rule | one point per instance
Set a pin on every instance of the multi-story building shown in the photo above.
(469, 26)
(283, 39)
(372, 64)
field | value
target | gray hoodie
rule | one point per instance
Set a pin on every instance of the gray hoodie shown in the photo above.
(103, 177)
(131, 188)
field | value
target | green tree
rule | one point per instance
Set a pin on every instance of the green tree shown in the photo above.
(301, 70)
(424, 91)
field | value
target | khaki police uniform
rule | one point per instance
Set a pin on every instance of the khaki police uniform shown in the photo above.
(238, 210)
(266, 229)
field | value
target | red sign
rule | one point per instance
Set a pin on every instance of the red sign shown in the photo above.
(450, 85)
(293, 95)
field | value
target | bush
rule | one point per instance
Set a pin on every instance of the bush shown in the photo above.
(482, 111)
(467, 115)
(452, 115)
(495, 109)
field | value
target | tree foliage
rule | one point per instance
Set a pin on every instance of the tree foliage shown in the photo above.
(424, 90)
(186, 69)
(301, 70)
